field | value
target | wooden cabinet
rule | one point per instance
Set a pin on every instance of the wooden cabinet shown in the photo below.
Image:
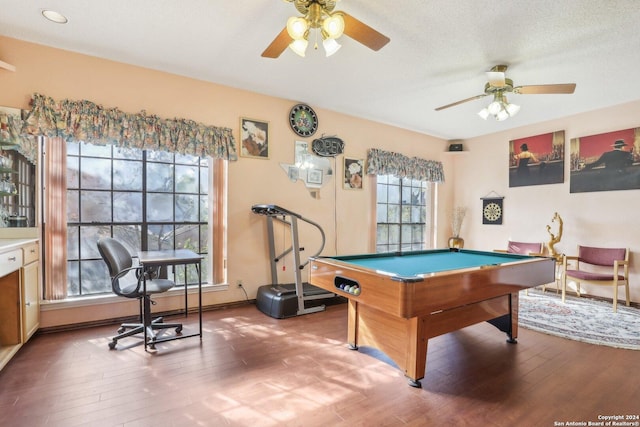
(19, 294)
(30, 291)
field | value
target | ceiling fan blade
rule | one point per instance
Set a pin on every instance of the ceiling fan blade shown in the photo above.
(363, 33)
(461, 102)
(496, 78)
(545, 89)
(278, 45)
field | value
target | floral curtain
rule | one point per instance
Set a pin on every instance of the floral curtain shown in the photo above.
(381, 162)
(11, 125)
(89, 122)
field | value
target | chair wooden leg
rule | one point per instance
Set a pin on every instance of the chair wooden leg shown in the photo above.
(564, 287)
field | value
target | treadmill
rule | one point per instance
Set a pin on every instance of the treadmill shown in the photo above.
(292, 299)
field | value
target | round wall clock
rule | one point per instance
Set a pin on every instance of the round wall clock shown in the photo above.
(492, 211)
(303, 120)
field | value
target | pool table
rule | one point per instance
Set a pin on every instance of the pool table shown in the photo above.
(397, 301)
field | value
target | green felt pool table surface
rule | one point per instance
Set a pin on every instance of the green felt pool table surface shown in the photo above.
(430, 261)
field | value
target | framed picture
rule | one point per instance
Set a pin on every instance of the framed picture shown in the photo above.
(254, 138)
(314, 176)
(294, 173)
(353, 170)
(537, 160)
(605, 162)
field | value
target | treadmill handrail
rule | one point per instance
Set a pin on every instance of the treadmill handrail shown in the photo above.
(274, 210)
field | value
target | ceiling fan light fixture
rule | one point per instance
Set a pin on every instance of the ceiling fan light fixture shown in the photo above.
(512, 109)
(502, 115)
(494, 108)
(333, 25)
(331, 46)
(297, 27)
(299, 46)
(484, 113)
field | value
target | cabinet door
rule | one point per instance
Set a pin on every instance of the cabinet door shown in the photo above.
(31, 300)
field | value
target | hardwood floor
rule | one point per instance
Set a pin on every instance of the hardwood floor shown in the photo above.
(252, 370)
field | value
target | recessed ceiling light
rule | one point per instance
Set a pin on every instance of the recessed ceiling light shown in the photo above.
(54, 16)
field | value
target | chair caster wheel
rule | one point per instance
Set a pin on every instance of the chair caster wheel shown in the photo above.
(121, 329)
(112, 345)
(178, 329)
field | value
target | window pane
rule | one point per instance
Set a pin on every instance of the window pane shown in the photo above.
(159, 156)
(382, 234)
(416, 213)
(394, 233)
(73, 278)
(127, 207)
(186, 179)
(95, 173)
(204, 208)
(95, 206)
(73, 206)
(129, 236)
(393, 214)
(73, 245)
(95, 150)
(73, 172)
(127, 153)
(381, 193)
(204, 239)
(95, 277)
(188, 237)
(187, 208)
(159, 177)
(160, 237)
(381, 212)
(89, 237)
(127, 175)
(394, 194)
(204, 179)
(406, 195)
(416, 234)
(187, 159)
(406, 213)
(159, 207)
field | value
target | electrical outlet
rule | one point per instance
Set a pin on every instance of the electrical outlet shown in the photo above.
(239, 283)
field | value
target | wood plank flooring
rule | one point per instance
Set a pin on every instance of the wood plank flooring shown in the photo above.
(252, 370)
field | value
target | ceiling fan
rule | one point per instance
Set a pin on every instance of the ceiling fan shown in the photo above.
(319, 14)
(498, 86)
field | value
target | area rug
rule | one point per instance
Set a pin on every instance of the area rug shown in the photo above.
(580, 319)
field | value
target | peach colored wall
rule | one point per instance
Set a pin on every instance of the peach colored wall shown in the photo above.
(344, 215)
(592, 219)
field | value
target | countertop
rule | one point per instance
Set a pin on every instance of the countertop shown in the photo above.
(8, 244)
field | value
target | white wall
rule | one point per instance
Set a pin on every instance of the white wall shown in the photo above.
(594, 219)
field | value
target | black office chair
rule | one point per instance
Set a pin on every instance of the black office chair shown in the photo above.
(119, 261)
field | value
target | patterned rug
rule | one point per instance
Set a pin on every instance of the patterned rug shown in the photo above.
(580, 319)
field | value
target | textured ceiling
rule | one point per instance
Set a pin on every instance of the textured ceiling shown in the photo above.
(438, 54)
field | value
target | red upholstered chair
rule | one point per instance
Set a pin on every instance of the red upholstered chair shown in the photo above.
(524, 248)
(598, 266)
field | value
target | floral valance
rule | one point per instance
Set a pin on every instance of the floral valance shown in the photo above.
(89, 122)
(381, 162)
(11, 125)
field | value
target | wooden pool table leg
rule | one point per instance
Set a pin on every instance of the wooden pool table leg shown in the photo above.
(416, 362)
(352, 325)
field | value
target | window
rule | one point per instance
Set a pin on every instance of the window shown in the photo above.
(403, 214)
(149, 200)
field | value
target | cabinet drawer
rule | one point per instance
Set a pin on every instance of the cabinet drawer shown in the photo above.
(10, 261)
(31, 253)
